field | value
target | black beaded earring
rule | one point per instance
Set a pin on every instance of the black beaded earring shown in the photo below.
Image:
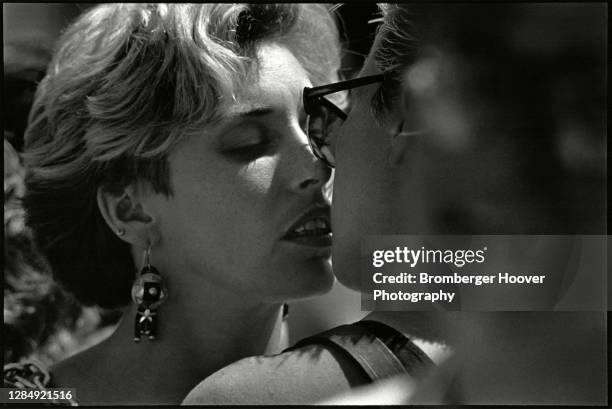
(148, 292)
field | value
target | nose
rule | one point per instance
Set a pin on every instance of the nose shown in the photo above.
(307, 171)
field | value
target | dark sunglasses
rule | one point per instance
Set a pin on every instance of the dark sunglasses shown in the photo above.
(325, 117)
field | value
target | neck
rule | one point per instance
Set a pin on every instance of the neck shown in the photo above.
(199, 332)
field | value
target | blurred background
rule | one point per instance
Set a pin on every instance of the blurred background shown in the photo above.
(41, 320)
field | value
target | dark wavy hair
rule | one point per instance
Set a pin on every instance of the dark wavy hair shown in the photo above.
(126, 82)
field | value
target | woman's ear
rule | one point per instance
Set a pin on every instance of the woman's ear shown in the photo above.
(125, 214)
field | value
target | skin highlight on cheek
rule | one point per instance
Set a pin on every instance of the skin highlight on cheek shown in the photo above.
(258, 175)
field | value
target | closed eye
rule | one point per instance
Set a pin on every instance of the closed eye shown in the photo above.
(248, 152)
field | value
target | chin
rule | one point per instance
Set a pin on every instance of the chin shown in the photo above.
(319, 279)
(349, 280)
(304, 281)
(315, 280)
(346, 267)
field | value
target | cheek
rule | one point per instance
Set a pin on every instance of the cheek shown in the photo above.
(258, 176)
(221, 220)
(225, 189)
(355, 192)
(364, 184)
(352, 151)
(222, 202)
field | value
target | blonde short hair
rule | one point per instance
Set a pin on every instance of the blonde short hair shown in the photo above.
(126, 83)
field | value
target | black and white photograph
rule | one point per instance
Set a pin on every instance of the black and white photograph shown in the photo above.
(305, 204)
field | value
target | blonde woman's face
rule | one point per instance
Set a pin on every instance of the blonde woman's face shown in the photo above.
(249, 214)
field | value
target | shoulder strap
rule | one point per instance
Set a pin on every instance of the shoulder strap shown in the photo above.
(366, 348)
(414, 360)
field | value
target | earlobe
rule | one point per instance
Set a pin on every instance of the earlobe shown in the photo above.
(124, 214)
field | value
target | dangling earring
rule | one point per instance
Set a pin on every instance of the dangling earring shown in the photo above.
(148, 292)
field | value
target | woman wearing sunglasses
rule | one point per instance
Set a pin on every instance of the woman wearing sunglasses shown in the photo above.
(169, 175)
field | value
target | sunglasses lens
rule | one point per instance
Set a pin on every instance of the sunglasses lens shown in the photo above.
(322, 126)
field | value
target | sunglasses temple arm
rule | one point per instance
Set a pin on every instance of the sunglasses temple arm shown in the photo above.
(344, 85)
(333, 107)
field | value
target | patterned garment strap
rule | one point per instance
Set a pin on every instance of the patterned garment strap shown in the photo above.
(414, 360)
(29, 374)
(366, 349)
(378, 349)
(26, 374)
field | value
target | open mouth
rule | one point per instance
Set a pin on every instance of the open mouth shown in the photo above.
(313, 228)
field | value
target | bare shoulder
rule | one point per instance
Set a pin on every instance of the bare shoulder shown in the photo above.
(305, 375)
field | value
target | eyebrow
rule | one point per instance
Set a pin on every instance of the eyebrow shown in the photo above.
(249, 113)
